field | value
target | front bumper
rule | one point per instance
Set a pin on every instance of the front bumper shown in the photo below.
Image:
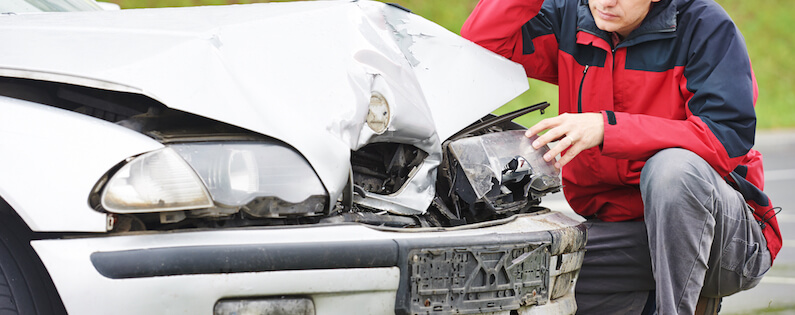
(344, 269)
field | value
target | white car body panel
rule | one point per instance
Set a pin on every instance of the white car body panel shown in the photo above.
(39, 141)
(218, 62)
(370, 290)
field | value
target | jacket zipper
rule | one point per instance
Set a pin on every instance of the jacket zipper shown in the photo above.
(582, 82)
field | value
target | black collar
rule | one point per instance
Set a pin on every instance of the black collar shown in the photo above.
(659, 23)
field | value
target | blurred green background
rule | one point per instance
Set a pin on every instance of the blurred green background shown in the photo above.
(766, 26)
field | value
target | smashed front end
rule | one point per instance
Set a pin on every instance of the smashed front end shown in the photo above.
(236, 174)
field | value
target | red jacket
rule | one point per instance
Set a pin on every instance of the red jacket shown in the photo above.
(682, 79)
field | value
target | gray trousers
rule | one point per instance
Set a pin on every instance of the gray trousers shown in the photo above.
(698, 238)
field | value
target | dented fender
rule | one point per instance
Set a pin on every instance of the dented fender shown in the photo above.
(51, 160)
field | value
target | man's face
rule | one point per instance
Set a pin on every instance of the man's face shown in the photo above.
(621, 16)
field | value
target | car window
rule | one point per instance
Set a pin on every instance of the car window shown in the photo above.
(20, 6)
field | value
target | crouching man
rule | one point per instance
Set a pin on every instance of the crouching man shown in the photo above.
(656, 130)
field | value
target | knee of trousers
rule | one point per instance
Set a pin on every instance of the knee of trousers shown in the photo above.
(675, 174)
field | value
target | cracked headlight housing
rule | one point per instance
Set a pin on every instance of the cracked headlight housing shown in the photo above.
(501, 158)
(502, 171)
(263, 179)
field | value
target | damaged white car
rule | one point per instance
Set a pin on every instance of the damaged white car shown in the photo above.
(331, 157)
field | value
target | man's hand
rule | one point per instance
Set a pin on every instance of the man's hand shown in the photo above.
(577, 132)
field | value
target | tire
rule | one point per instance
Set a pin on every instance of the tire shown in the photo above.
(25, 285)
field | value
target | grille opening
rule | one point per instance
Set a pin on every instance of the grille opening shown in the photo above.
(107, 105)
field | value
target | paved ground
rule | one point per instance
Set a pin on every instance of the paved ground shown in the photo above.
(776, 293)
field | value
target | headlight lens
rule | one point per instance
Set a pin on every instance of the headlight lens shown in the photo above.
(155, 181)
(263, 178)
(499, 158)
(238, 173)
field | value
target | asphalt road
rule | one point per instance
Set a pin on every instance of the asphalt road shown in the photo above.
(776, 293)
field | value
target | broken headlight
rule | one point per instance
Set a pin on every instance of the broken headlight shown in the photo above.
(502, 171)
(263, 179)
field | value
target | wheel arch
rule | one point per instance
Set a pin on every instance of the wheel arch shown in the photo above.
(25, 284)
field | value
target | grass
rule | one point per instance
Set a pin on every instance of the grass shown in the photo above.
(765, 25)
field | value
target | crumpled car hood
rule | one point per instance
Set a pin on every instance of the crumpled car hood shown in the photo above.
(299, 72)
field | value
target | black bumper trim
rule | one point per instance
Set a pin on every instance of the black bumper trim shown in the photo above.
(216, 259)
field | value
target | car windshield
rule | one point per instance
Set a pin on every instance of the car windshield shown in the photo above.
(20, 6)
